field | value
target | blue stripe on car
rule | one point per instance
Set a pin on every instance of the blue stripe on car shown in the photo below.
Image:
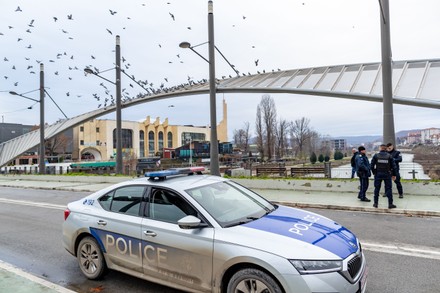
(310, 228)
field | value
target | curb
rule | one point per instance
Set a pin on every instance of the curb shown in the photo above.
(408, 213)
(34, 279)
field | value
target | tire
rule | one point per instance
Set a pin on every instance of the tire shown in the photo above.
(90, 259)
(252, 281)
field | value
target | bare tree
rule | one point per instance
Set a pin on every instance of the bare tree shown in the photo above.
(281, 138)
(269, 112)
(242, 137)
(300, 134)
(57, 144)
(259, 131)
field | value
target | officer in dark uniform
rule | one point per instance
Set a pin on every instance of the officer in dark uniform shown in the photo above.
(384, 169)
(397, 159)
(364, 172)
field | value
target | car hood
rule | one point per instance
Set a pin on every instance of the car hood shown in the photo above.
(307, 227)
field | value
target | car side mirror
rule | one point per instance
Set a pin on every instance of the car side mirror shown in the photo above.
(190, 222)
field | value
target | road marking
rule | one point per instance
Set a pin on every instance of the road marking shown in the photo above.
(14, 270)
(403, 249)
(34, 204)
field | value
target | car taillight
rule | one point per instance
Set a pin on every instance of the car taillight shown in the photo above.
(66, 214)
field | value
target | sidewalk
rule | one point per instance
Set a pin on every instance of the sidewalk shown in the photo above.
(420, 199)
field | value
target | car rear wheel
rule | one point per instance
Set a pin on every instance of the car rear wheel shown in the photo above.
(90, 258)
(252, 281)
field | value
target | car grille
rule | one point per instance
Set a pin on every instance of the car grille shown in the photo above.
(354, 266)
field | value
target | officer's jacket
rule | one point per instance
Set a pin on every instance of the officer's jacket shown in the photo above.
(396, 156)
(383, 162)
(362, 165)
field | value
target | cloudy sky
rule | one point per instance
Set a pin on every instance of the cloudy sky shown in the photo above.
(68, 36)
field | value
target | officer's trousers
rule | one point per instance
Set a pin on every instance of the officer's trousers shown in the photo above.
(386, 178)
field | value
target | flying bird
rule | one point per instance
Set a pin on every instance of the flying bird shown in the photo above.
(112, 12)
(19, 39)
(32, 23)
(70, 17)
(18, 9)
(256, 62)
(188, 27)
(109, 31)
(16, 83)
(6, 59)
(66, 32)
(172, 15)
(55, 19)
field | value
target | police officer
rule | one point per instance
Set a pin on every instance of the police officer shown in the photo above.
(364, 172)
(384, 169)
(395, 154)
(353, 162)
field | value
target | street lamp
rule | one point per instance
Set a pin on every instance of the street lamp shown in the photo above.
(41, 164)
(214, 161)
(118, 104)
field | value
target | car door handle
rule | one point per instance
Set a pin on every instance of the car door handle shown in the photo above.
(150, 233)
(102, 223)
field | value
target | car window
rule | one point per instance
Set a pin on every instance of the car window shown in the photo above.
(168, 206)
(126, 200)
(230, 203)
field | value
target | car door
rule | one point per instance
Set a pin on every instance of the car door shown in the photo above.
(175, 255)
(118, 227)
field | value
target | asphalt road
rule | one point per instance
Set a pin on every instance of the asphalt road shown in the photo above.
(399, 249)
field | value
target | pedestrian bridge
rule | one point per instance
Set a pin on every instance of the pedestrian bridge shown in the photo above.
(415, 83)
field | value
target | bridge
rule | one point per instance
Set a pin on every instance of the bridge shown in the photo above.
(415, 83)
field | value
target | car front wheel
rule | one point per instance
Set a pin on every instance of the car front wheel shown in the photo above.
(252, 281)
(90, 258)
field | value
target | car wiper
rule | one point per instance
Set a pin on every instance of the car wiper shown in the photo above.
(248, 219)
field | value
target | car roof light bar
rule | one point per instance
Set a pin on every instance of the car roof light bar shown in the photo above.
(161, 175)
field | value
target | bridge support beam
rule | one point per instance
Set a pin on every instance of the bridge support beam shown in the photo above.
(387, 80)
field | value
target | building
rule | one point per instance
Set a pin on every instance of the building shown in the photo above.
(9, 131)
(428, 135)
(413, 138)
(339, 144)
(95, 140)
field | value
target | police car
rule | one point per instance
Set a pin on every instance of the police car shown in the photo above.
(205, 233)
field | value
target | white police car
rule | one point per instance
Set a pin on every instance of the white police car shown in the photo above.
(205, 233)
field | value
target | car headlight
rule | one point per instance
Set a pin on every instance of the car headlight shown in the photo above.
(317, 266)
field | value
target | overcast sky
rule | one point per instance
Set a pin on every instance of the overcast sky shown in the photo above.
(68, 36)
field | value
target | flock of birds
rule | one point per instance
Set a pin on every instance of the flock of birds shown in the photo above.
(104, 97)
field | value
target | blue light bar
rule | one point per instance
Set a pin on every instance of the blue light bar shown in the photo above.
(160, 175)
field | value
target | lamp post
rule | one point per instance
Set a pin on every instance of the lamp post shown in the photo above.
(118, 108)
(42, 165)
(118, 104)
(42, 150)
(214, 163)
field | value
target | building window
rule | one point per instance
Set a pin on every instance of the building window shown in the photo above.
(97, 129)
(81, 142)
(170, 140)
(160, 141)
(141, 143)
(81, 128)
(98, 143)
(187, 136)
(151, 143)
(127, 138)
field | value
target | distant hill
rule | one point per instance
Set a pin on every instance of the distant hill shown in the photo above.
(364, 139)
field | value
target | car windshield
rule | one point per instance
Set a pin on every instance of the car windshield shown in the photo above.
(230, 203)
